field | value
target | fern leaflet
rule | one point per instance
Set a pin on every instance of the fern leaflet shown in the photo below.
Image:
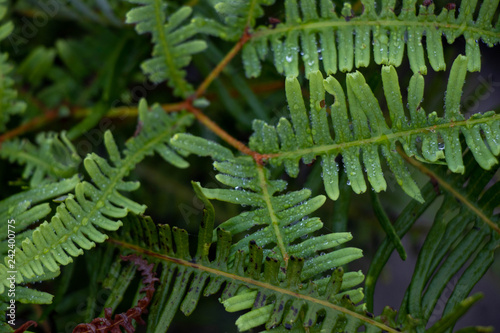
(282, 218)
(456, 236)
(24, 208)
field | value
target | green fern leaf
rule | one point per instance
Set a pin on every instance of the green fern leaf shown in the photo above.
(256, 283)
(283, 221)
(364, 133)
(77, 221)
(314, 30)
(54, 158)
(171, 52)
(24, 209)
(283, 218)
(36, 66)
(119, 277)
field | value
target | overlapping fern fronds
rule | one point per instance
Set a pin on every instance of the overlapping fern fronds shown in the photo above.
(95, 207)
(283, 218)
(277, 296)
(172, 51)
(18, 212)
(460, 233)
(55, 157)
(284, 226)
(363, 133)
(314, 30)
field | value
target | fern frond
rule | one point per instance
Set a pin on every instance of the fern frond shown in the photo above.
(54, 158)
(343, 42)
(282, 217)
(364, 133)
(276, 297)
(172, 51)
(284, 223)
(458, 234)
(18, 214)
(77, 221)
(9, 105)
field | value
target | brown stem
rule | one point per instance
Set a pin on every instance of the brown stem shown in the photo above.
(221, 65)
(184, 105)
(188, 104)
(202, 118)
(33, 123)
(25, 326)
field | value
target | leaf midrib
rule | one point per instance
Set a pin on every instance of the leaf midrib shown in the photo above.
(272, 214)
(324, 149)
(167, 56)
(35, 160)
(250, 12)
(329, 23)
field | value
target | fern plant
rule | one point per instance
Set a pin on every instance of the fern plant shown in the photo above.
(323, 81)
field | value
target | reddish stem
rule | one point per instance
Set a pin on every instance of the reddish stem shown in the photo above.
(221, 65)
(33, 123)
(25, 326)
